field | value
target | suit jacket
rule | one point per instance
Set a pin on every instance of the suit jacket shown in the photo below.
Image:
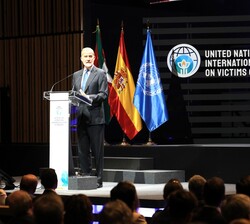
(209, 215)
(97, 89)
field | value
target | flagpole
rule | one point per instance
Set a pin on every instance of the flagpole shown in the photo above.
(124, 142)
(152, 116)
(101, 63)
(105, 142)
(150, 142)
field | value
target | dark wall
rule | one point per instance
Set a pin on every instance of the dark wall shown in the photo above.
(20, 159)
(5, 121)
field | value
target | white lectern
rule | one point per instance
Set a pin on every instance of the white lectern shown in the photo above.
(59, 146)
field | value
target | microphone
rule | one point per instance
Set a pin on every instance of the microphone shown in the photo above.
(60, 81)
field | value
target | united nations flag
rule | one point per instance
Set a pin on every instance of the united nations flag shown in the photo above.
(149, 98)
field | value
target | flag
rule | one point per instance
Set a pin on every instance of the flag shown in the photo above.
(122, 93)
(100, 62)
(149, 98)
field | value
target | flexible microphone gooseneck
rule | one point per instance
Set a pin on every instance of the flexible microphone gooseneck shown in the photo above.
(60, 81)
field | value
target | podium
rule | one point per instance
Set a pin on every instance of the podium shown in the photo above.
(59, 139)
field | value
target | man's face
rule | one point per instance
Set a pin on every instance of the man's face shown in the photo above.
(88, 58)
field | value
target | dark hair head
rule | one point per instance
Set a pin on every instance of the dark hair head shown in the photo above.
(115, 212)
(20, 202)
(78, 209)
(214, 191)
(49, 209)
(243, 186)
(171, 186)
(181, 204)
(196, 185)
(126, 192)
(49, 178)
(235, 207)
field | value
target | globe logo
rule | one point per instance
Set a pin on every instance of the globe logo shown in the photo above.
(183, 60)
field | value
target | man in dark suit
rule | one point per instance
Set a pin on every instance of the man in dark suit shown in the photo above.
(49, 180)
(213, 194)
(92, 83)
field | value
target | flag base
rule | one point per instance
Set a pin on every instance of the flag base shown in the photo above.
(150, 142)
(124, 142)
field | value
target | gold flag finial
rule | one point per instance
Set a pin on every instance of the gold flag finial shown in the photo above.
(97, 26)
(148, 25)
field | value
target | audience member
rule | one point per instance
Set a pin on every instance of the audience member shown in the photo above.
(196, 186)
(171, 186)
(126, 192)
(48, 209)
(236, 206)
(115, 212)
(162, 216)
(181, 204)
(78, 210)
(214, 194)
(29, 183)
(20, 204)
(49, 180)
(243, 185)
(240, 221)
(3, 196)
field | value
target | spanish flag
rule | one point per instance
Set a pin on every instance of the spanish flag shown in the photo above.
(122, 94)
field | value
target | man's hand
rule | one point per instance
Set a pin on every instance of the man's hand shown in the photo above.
(84, 94)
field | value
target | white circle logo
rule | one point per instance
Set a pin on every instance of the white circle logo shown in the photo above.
(183, 60)
(149, 80)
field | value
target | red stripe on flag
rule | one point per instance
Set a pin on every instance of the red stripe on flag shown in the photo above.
(118, 110)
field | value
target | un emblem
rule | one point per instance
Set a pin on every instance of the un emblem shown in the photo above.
(149, 80)
(183, 60)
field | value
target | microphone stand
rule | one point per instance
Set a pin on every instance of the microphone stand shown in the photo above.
(60, 81)
(46, 94)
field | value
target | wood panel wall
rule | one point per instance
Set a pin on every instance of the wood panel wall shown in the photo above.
(40, 43)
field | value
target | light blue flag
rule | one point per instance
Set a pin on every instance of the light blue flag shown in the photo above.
(149, 98)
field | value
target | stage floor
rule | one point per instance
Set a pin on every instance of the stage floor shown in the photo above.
(150, 195)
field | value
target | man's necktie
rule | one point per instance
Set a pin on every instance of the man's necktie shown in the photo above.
(85, 78)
